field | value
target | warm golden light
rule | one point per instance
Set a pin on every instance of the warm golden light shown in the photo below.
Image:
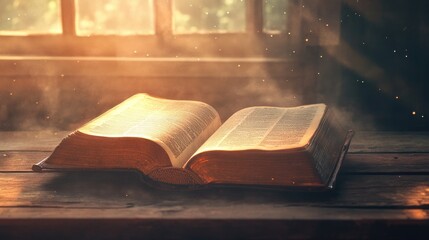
(108, 17)
(208, 16)
(18, 17)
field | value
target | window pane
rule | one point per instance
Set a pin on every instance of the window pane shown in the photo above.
(29, 16)
(193, 16)
(275, 15)
(120, 17)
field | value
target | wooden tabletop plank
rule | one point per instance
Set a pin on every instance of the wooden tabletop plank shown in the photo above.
(382, 163)
(407, 163)
(125, 189)
(179, 228)
(30, 140)
(20, 161)
(404, 142)
(235, 211)
(383, 185)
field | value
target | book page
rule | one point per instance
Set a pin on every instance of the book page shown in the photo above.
(180, 127)
(267, 128)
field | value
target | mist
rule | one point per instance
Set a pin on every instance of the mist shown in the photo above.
(369, 69)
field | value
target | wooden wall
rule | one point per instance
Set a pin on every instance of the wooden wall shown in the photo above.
(65, 93)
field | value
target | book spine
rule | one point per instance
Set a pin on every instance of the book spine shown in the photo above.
(175, 176)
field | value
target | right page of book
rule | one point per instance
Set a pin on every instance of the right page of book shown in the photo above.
(266, 128)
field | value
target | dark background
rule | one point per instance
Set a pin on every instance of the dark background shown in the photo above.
(392, 82)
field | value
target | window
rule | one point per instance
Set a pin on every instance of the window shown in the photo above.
(114, 17)
(275, 16)
(155, 28)
(23, 17)
(208, 16)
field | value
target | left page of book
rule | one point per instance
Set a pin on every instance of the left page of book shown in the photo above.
(180, 127)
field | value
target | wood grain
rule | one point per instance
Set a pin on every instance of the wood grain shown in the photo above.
(30, 140)
(382, 192)
(400, 142)
(124, 189)
(20, 161)
(386, 163)
(215, 212)
(165, 228)
(77, 204)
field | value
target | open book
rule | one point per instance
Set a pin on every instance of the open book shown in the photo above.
(183, 143)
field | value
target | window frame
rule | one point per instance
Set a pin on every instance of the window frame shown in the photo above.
(254, 42)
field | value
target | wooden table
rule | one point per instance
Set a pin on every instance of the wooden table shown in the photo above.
(382, 191)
